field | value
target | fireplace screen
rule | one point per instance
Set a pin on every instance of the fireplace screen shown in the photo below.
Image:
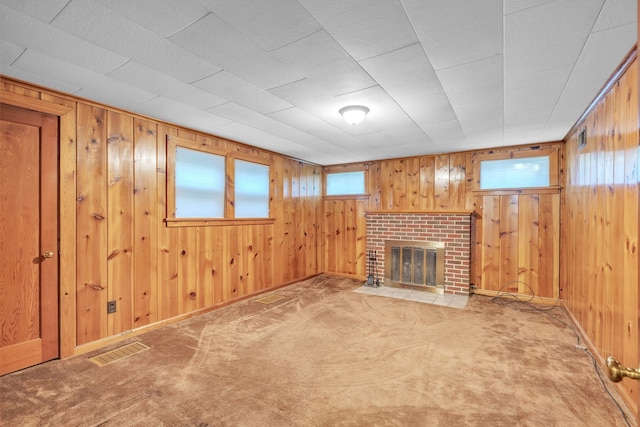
(415, 263)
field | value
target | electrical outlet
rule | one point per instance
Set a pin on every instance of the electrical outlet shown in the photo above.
(111, 307)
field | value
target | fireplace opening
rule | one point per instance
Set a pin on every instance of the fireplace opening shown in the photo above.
(413, 263)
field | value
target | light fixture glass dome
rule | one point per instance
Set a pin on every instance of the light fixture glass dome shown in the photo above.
(354, 114)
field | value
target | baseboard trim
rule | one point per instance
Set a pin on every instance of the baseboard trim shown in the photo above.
(520, 297)
(96, 345)
(628, 400)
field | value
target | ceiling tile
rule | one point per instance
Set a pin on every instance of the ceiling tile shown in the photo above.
(616, 13)
(364, 28)
(23, 30)
(404, 73)
(240, 114)
(543, 88)
(9, 52)
(138, 75)
(457, 31)
(323, 61)
(475, 82)
(163, 17)
(256, 20)
(444, 132)
(100, 25)
(228, 86)
(44, 11)
(218, 42)
(94, 86)
(172, 111)
(38, 78)
(428, 109)
(512, 6)
(591, 70)
(547, 37)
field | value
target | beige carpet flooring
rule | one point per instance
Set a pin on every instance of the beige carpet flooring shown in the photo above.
(324, 355)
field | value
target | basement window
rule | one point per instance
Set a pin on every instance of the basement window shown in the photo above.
(199, 184)
(345, 183)
(207, 185)
(510, 171)
(514, 173)
(251, 190)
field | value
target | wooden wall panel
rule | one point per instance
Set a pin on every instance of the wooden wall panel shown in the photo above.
(145, 223)
(599, 256)
(120, 221)
(116, 176)
(167, 236)
(446, 182)
(92, 238)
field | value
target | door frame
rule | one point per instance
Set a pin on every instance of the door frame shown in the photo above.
(44, 102)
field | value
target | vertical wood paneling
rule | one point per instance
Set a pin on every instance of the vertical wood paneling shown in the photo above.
(528, 252)
(145, 223)
(120, 221)
(413, 183)
(399, 181)
(427, 182)
(508, 229)
(167, 236)
(600, 227)
(457, 181)
(387, 185)
(441, 190)
(491, 279)
(114, 194)
(92, 244)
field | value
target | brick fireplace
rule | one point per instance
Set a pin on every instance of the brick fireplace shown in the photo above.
(453, 229)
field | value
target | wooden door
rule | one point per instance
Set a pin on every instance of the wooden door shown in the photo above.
(29, 238)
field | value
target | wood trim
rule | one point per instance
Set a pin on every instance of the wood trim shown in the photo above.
(194, 222)
(534, 300)
(628, 399)
(551, 152)
(34, 104)
(534, 190)
(95, 345)
(350, 167)
(67, 207)
(347, 197)
(428, 212)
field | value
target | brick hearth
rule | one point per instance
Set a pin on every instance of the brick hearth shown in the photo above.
(454, 229)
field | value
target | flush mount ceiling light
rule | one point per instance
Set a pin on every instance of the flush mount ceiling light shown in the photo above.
(354, 114)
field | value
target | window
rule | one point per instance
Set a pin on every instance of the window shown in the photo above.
(210, 184)
(514, 173)
(199, 184)
(345, 183)
(251, 190)
(526, 170)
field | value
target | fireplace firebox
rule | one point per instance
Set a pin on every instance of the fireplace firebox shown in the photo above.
(415, 264)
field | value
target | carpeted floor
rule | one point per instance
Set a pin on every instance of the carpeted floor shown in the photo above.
(326, 356)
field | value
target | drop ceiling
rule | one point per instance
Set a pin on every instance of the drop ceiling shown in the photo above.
(437, 76)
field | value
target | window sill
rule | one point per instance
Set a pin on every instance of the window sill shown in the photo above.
(515, 191)
(346, 197)
(216, 222)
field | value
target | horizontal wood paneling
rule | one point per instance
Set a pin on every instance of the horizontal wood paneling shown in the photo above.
(599, 255)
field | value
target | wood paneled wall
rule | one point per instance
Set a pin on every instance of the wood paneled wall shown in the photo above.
(516, 239)
(599, 256)
(115, 245)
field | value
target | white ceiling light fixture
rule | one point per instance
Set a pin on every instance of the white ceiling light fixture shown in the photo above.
(354, 114)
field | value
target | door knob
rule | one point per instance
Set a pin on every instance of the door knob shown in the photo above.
(615, 371)
(48, 254)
